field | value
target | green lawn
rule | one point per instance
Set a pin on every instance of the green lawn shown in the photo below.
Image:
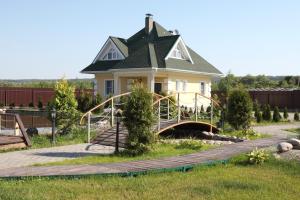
(76, 137)
(158, 151)
(272, 180)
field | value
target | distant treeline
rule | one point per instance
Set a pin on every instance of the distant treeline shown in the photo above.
(251, 82)
(39, 83)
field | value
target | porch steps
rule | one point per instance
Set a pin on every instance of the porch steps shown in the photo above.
(108, 137)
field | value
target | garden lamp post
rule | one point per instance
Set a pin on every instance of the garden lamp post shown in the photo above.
(53, 116)
(119, 118)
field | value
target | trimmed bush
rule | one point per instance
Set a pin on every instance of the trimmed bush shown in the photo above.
(202, 109)
(239, 109)
(40, 104)
(296, 116)
(276, 115)
(31, 105)
(139, 119)
(258, 116)
(285, 113)
(266, 112)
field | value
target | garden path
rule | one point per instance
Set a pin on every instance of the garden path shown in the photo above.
(23, 158)
(179, 162)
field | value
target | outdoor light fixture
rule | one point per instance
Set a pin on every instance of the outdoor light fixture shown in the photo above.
(53, 116)
(119, 119)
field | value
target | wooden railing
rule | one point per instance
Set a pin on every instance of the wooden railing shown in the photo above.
(15, 124)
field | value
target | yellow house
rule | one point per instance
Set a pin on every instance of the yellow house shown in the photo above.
(157, 57)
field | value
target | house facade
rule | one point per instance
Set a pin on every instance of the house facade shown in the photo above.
(158, 58)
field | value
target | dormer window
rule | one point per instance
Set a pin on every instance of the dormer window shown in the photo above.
(112, 54)
(177, 53)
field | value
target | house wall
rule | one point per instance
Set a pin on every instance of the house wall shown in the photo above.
(192, 85)
(100, 78)
(168, 80)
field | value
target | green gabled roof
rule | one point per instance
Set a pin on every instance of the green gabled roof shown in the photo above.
(144, 50)
(121, 44)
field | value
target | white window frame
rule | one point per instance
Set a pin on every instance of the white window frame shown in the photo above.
(106, 93)
(181, 85)
(177, 85)
(204, 88)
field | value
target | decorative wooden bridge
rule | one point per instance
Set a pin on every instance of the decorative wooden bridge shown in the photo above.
(174, 110)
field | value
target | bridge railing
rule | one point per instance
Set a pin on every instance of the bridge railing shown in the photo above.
(175, 107)
(103, 115)
(185, 106)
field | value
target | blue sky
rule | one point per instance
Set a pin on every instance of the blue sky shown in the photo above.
(51, 39)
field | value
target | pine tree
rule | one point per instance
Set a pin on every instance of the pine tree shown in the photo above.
(296, 116)
(266, 115)
(239, 109)
(66, 107)
(285, 113)
(276, 115)
(139, 118)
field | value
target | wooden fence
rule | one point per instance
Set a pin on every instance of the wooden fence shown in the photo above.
(24, 96)
(289, 98)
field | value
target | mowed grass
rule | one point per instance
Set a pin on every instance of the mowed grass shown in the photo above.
(272, 180)
(159, 150)
(76, 137)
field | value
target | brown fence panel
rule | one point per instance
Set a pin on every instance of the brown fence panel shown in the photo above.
(281, 98)
(24, 96)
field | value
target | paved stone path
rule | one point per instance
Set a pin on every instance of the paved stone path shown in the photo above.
(44, 155)
(221, 153)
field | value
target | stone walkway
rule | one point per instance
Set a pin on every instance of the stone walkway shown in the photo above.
(220, 153)
(44, 155)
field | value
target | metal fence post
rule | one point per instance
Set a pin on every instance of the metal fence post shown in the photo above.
(89, 127)
(211, 114)
(196, 107)
(112, 112)
(168, 109)
(178, 107)
(158, 125)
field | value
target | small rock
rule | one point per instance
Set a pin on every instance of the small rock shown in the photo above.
(294, 142)
(284, 146)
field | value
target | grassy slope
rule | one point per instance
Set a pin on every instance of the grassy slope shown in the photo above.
(272, 180)
(159, 151)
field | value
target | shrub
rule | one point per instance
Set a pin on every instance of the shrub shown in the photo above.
(257, 156)
(139, 119)
(190, 144)
(296, 116)
(12, 105)
(1, 104)
(202, 109)
(266, 115)
(84, 102)
(258, 116)
(239, 109)
(285, 113)
(31, 105)
(65, 104)
(208, 109)
(276, 115)
(21, 105)
(40, 104)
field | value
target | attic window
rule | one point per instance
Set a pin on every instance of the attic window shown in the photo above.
(177, 53)
(111, 55)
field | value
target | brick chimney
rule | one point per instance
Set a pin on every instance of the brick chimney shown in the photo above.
(148, 23)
